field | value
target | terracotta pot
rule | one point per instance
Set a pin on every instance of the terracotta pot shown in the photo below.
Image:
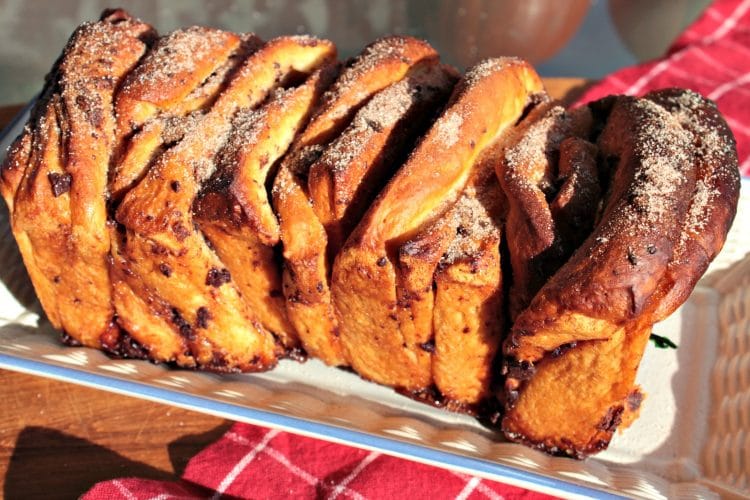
(468, 31)
(648, 27)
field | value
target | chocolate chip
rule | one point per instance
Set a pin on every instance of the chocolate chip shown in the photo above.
(158, 249)
(632, 257)
(560, 350)
(381, 262)
(183, 326)
(175, 185)
(179, 230)
(165, 269)
(428, 346)
(56, 279)
(520, 370)
(129, 348)
(218, 364)
(611, 420)
(634, 400)
(217, 277)
(202, 315)
(319, 287)
(651, 249)
(92, 110)
(374, 125)
(60, 183)
(120, 344)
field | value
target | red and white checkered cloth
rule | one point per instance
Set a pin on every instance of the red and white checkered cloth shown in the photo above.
(712, 57)
(254, 462)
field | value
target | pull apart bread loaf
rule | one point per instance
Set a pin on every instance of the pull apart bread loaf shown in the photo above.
(214, 201)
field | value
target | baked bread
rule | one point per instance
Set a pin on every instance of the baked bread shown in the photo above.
(670, 188)
(339, 163)
(383, 277)
(55, 176)
(217, 202)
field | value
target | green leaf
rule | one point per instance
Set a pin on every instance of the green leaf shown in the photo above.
(662, 342)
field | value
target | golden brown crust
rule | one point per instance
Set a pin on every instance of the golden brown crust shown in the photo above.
(575, 205)
(353, 168)
(186, 58)
(376, 303)
(608, 215)
(648, 152)
(529, 178)
(304, 236)
(14, 166)
(163, 251)
(234, 211)
(565, 409)
(468, 307)
(711, 209)
(152, 116)
(380, 64)
(58, 194)
(671, 170)
(143, 312)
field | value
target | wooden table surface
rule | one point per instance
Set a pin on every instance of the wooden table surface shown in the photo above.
(58, 439)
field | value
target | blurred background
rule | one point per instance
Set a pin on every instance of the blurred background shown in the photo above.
(586, 38)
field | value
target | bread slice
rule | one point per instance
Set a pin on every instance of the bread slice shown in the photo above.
(166, 262)
(574, 352)
(529, 177)
(167, 92)
(55, 177)
(304, 190)
(234, 211)
(574, 400)
(468, 317)
(386, 315)
(345, 179)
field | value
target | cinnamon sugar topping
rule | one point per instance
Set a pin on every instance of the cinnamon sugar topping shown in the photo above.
(713, 150)
(473, 218)
(530, 159)
(178, 52)
(175, 127)
(700, 208)
(376, 55)
(486, 68)
(447, 128)
(371, 57)
(661, 145)
(382, 112)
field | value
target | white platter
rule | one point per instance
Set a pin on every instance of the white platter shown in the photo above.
(693, 437)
